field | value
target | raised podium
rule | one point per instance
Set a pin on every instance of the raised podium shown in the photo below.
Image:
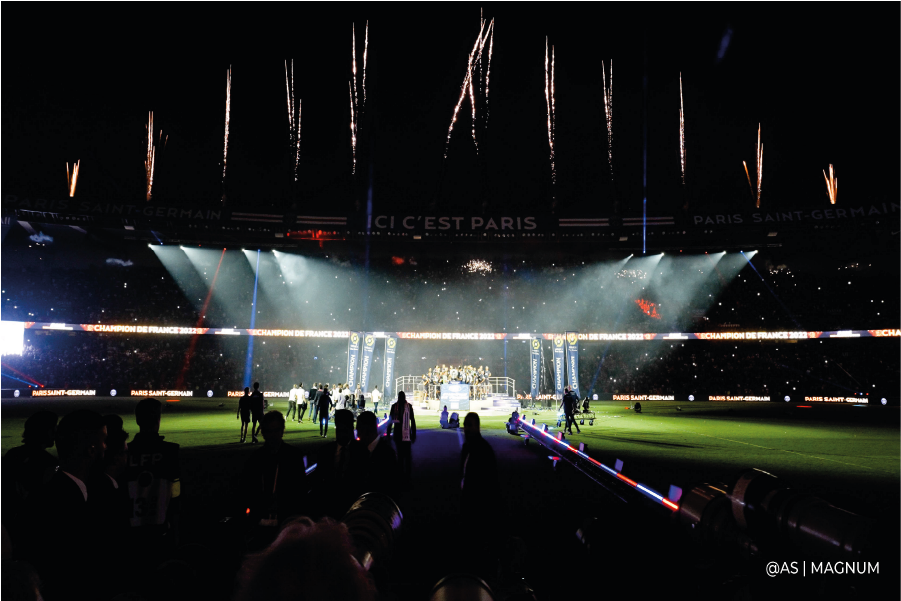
(455, 395)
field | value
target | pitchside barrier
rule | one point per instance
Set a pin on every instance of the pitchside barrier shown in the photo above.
(754, 513)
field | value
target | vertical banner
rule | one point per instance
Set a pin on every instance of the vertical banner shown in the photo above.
(388, 388)
(559, 365)
(353, 356)
(366, 365)
(535, 365)
(572, 361)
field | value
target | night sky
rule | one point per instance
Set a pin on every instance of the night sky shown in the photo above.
(822, 79)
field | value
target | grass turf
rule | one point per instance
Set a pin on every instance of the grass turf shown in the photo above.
(849, 456)
(847, 453)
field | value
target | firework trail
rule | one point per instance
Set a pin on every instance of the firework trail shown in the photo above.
(608, 112)
(549, 98)
(289, 89)
(483, 83)
(681, 129)
(150, 161)
(356, 111)
(467, 84)
(293, 117)
(353, 128)
(759, 170)
(73, 178)
(488, 70)
(365, 52)
(353, 51)
(228, 104)
(831, 184)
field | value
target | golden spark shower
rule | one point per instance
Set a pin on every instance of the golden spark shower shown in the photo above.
(831, 184)
(150, 160)
(608, 112)
(549, 99)
(759, 170)
(72, 178)
(228, 104)
(294, 114)
(681, 129)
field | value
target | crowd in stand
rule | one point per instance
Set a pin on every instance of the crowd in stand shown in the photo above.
(440, 295)
(835, 367)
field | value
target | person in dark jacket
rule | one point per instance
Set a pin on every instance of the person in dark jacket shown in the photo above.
(570, 402)
(273, 484)
(63, 540)
(26, 468)
(244, 413)
(373, 462)
(323, 406)
(333, 495)
(257, 408)
(479, 491)
(153, 479)
(403, 422)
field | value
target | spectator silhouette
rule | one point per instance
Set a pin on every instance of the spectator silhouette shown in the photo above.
(443, 419)
(479, 477)
(26, 468)
(306, 561)
(570, 403)
(244, 413)
(63, 540)
(332, 491)
(323, 405)
(404, 424)
(273, 484)
(154, 485)
(257, 408)
(109, 503)
(373, 462)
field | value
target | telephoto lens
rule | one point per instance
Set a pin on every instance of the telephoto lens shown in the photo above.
(461, 587)
(373, 521)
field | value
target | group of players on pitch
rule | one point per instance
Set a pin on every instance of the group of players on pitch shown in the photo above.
(253, 404)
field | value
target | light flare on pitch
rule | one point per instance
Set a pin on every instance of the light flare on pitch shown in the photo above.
(831, 184)
(72, 178)
(759, 170)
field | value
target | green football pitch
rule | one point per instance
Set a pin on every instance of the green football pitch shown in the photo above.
(850, 454)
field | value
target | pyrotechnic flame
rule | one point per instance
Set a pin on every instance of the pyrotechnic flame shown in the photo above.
(73, 178)
(681, 129)
(467, 84)
(289, 90)
(759, 171)
(831, 184)
(353, 128)
(488, 71)
(608, 112)
(293, 117)
(365, 52)
(228, 104)
(150, 161)
(549, 99)
(354, 56)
